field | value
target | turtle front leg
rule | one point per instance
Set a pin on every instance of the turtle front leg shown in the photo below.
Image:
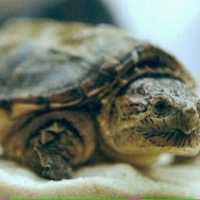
(52, 143)
(55, 146)
(52, 165)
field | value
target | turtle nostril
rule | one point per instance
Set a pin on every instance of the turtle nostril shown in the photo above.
(190, 111)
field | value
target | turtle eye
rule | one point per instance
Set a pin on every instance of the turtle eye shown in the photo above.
(162, 108)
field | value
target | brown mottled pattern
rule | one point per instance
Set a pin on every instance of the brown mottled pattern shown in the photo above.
(52, 59)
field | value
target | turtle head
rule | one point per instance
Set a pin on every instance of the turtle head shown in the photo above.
(154, 116)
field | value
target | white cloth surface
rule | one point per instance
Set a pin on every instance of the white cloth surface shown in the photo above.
(103, 180)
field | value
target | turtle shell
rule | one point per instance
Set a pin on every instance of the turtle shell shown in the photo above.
(71, 63)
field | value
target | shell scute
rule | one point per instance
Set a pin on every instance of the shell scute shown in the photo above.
(37, 64)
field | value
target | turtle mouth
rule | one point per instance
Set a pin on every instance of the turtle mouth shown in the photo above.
(173, 138)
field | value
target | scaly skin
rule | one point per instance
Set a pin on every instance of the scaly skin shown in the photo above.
(50, 143)
(151, 117)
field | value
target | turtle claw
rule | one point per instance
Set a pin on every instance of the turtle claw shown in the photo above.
(53, 165)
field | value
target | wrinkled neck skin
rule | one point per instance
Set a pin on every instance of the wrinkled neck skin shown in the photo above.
(151, 117)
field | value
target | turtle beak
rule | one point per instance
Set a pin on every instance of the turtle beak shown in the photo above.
(190, 120)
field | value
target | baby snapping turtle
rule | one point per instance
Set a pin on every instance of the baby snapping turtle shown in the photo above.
(68, 90)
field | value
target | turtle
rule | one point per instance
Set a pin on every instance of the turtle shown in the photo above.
(72, 92)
